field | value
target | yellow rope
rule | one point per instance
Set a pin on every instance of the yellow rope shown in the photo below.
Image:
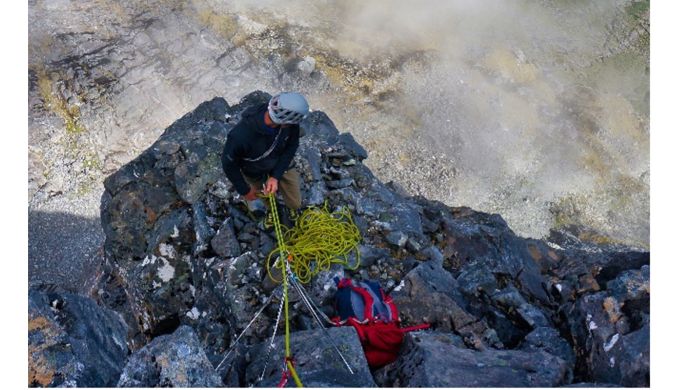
(283, 259)
(318, 239)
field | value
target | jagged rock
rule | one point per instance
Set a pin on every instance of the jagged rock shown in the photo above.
(610, 331)
(432, 359)
(349, 144)
(368, 255)
(549, 340)
(72, 342)
(323, 287)
(485, 240)
(224, 243)
(139, 194)
(514, 303)
(175, 360)
(337, 184)
(316, 361)
(397, 238)
(587, 267)
(430, 294)
(203, 230)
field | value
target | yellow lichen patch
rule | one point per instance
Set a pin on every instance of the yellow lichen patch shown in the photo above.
(505, 63)
(40, 373)
(224, 25)
(612, 308)
(40, 370)
(70, 114)
(38, 323)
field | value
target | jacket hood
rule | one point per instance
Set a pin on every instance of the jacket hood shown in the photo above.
(254, 116)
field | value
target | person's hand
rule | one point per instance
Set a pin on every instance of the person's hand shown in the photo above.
(251, 195)
(271, 186)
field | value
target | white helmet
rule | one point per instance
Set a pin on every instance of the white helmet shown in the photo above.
(288, 108)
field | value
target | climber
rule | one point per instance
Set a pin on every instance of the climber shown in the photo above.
(259, 151)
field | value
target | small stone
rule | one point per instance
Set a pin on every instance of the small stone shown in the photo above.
(397, 238)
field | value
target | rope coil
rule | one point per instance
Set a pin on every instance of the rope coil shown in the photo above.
(319, 239)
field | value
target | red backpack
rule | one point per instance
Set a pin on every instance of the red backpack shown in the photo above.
(366, 307)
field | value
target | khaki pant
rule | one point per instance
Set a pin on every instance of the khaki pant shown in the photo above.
(289, 186)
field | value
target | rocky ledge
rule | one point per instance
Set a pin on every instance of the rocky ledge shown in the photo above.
(184, 276)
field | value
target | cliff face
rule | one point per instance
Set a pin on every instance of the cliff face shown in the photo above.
(182, 253)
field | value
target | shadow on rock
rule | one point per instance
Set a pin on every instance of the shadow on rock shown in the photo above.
(63, 250)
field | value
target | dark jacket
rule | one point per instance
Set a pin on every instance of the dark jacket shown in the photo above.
(249, 140)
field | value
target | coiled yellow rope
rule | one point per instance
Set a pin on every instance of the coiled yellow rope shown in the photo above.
(318, 239)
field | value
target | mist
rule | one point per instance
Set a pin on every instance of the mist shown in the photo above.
(537, 110)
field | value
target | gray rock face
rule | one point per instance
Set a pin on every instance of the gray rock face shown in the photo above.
(432, 359)
(430, 294)
(175, 360)
(316, 361)
(549, 340)
(610, 331)
(72, 342)
(224, 243)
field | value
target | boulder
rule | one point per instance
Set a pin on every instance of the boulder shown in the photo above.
(549, 340)
(435, 359)
(430, 294)
(72, 342)
(175, 360)
(224, 243)
(316, 361)
(610, 331)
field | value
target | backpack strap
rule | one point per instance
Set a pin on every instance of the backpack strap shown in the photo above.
(368, 301)
(389, 302)
(414, 328)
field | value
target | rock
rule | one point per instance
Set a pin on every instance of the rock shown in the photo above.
(72, 342)
(342, 183)
(549, 340)
(397, 238)
(315, 195)
(514, 304)
(320, 125)
(612, 345)
(316, 361)
(594, 265)
(368, 255)
(431, 359)
(430, 294)
(432, 253)
(484, 240)
(632, 285)
(628, 362)
(224, 243)
(175, 360)
(203, 230)
(323, 286)
(307, 65)
(346, 140)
